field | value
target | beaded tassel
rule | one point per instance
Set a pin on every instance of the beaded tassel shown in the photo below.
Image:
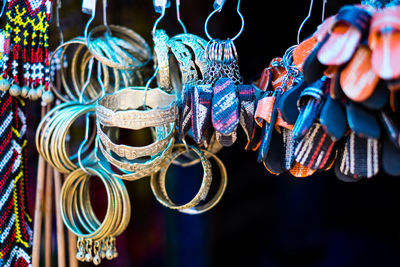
(15, 222)
(24, 66)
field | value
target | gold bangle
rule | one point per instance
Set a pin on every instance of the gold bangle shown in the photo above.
(157, 181)
(66, 200)
(159, 190)
(69, 96)
(78, 215)
(52, 132)
(126, 175)
(221, 189)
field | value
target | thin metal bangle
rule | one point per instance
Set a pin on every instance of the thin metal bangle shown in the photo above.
(127, 34)
(65, 201)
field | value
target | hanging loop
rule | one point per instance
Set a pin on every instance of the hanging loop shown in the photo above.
(304, 21)
(161, 7)
(178, 16)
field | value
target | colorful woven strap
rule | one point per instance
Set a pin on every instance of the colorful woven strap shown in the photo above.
(315, 149)
(185, 111)
(201, 111)
(225, 106)
(15, 223)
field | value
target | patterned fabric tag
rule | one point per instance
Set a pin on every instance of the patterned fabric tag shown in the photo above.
(225, 106)
(247, 100)
(341, 167)
(185, 117)
(268, 129)
(201, 111)
(226, 140)
(289, 147)
(315, 148)
(361, 156)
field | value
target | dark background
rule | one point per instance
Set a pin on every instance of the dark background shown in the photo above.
(262, 220)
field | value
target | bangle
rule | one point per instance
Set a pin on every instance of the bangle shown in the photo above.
(120, 108)
(129, 152)
(127, 44)
(159, 189)
(157, 180)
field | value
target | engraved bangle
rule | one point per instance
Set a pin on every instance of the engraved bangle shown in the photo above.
(157, 181)
(154, 163)
(161, 59)
(158, 185)
(120, 108)
(198, 45)
(131, 176)
(130, 152)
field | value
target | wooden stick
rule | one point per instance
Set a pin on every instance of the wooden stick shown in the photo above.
(60, 226)
(48, 215)
(73, 262)
(37, 221)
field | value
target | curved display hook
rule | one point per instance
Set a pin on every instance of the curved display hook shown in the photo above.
(93, 15)
(304, 21)
(3, 8)
(218, 9)
(178, 16)
(58, 24)
(309, 15)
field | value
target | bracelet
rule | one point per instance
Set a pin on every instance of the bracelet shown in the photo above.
(121, 37)
(131, 176)
(159, 189)
(78, 215)
(157, 180)
(161, 59)
(130, 152)
(120, 108)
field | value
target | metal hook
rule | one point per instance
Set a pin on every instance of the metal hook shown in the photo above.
(324, 2)
(99, 72)
(58, 24)
(85, 85)
(153, 31)
(178, 16)
(3, 8)
(82, 145)
(89, 22)
(146, 88)
(105, 17)
(219, 10)
(304, 21)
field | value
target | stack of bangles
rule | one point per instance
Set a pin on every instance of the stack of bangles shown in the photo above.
(121, 109)
(96, 239)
